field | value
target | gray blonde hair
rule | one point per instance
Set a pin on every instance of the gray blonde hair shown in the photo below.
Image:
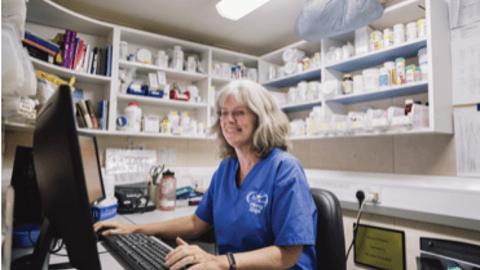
(273, 127)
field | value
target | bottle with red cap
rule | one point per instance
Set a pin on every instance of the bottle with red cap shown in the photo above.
(133, 113)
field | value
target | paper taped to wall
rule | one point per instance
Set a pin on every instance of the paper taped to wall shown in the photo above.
(467, 141)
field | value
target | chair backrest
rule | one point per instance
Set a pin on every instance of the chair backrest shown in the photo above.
(330, 244)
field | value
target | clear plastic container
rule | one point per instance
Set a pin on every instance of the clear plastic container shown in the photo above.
(356, 122)
(167, 192)
(338, 123)
(134, 117)
(373, 116)
(331, 89)
(357, 84)
(371, 78)
(162, 59)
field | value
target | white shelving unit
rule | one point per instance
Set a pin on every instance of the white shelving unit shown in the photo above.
(436, 89)
(48, 18)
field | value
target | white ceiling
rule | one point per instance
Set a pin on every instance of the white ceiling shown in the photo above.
(264, 30)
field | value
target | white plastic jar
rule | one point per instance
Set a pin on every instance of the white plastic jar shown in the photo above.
(371, 78)
(384, 78)
(357, 84)
(177, 59)
(387, 38)
(133, 113)
(423, 62)
(422, 28)
(398, 34)
(376, 39)
(410, 71)
(400, 77)
(412, 32)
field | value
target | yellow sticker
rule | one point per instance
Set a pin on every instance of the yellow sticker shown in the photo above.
(211, 68)
(203, 123)
(340, 125)
(303, 130)
(146, 62)
(186, 113)
(413, 69)
(313, 126)
(72, 81)
(323, 126)
(379, 45)
(419, 24)
(174, 112)
(213, 88)
(374, 36)
(358, 124)
(388, 37)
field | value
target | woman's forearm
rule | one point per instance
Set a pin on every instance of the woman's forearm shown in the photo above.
(184, 227)
(272, 257)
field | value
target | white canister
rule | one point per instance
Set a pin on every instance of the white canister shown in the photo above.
(331, 89)
(398, 34)
(422, 28)
(177, 59)
(387, 38)
(357, 84)
(123, 50)
(290, 68)
(252, 74)
(133, 113)
(191, 64)
(217, 70)
(370, 79)
(280, 72)
(300, 67)
(338, 54)
(162, 59)
(412, 31)
(272, 72)
(390, 66)
(347, 50)
(226, 70)
(292, 95)
(302, 91)
(423, 62)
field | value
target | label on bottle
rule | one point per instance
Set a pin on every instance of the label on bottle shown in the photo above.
(339, 125)
(379, 122)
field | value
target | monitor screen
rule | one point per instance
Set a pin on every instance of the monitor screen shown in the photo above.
(379, 248)
(62, 163)
(91, 168)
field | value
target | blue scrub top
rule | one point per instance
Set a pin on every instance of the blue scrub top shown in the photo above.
(273, 206)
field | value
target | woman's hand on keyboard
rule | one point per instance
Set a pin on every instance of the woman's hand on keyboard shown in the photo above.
(113, 227)
(193, 257)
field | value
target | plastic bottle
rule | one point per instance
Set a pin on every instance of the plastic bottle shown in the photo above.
(347, 84)
(384, 77)
(412, 32)
(167, 192)
(423, 62)
(387, 38)
(410, 72)
(417, 75)
(390, 66)
(408, 106)
(400, 71)
(422, 28)
(134, 117)
(177, 59)
(398, 34)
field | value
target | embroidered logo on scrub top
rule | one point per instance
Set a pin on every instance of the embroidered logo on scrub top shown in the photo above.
(257, 201)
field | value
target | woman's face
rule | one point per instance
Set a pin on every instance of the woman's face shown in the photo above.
(238, 123)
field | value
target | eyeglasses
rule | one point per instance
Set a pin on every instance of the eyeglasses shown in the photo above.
(236, 114)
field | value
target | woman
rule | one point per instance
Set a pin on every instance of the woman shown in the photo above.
(259, 200)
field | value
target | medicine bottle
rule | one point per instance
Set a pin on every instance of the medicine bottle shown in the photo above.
(134, 117)
(408, 106)
(410, 73)
(400, 71)
(412, 32)
(347, 84)
(398, 34)
(384, 77)
(167, 192)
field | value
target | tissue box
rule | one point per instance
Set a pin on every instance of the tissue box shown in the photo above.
(104, 212)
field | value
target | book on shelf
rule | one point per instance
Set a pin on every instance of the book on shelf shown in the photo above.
(102, 114)
(36, 52)
(78, 53)
(84, 111)
(80, 118)
(71, 49)
(60, 40)
(39, 46)
(91, 112)
(66, 49)
(93, 70)
(102, 66)
(88, 68)
(86, 58)
(109, 60)
(29, 35)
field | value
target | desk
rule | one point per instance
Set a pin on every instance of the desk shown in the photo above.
(110, 260)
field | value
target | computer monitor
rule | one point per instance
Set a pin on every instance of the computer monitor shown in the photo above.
(65, 194)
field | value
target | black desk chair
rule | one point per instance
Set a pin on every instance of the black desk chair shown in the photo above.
(330, 244)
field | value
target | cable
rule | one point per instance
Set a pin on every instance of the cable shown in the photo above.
(361, 200)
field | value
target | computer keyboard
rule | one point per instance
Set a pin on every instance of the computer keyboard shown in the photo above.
(139, 250)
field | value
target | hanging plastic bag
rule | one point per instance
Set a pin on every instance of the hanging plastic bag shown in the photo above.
(321, 19)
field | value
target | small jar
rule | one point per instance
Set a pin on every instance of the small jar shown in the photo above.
(384, 79)
(387, 38)
(422, 28)
(412, 32)
(347, 84)
(376, 39)
(410, 70)
(398, 34)
(400, 71)
(299, 66)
